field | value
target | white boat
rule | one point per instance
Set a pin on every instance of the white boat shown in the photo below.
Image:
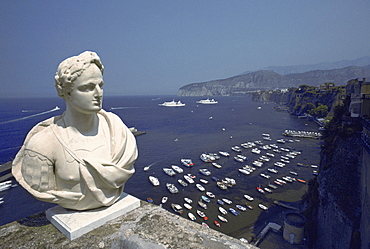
(248, 197)
(172, 103)
(200, 187)
(221, 218)
(192, 216)
(188, 179)
(238, 159)
(263, 207)
(207, 101)
(154, 180)
(210, 194)
(222, 185)
(187, 206)
(164, 199)
(236, 148)
(203, 181)
(205, 224)
(241, 208)
(217, 165)
(256, 151)
(244, 171)
(201, 213)
(172, 188)
(202, 204)
(222, 210)
(169, 171)
(187, 162)
(177, 208)
(205, 172)
(182, 182)
(5, 185)
(227, 201)
(275, 171)
(188, 200)
(224, 153)
(177, 169)
(205, 158)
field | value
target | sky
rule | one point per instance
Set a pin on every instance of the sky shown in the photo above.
(153, 47)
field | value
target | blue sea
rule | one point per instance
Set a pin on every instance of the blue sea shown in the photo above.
(172, 134)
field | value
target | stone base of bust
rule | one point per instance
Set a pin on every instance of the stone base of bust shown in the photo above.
(74, 224)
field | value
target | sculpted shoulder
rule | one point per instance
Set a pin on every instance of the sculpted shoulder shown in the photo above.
(41, 139)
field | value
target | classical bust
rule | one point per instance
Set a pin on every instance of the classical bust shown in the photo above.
(82, 159)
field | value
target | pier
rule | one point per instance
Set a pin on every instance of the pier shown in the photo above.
(302, 134)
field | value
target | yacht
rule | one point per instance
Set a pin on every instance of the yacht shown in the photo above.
(154, 180)
(207, 101)
(172, 103)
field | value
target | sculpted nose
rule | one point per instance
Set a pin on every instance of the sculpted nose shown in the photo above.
(98, 91)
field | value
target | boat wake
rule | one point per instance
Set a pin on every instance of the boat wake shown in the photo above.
(146, 168)
(123, 107)
(31, 116)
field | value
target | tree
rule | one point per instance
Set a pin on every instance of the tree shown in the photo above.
(320, 111)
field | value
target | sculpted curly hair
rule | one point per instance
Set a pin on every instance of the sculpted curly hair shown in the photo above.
(71, 68)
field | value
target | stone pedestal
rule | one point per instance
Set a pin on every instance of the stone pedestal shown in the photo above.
(74, 224)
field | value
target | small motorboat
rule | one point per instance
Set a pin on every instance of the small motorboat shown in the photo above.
(177, 208)
(221, 218)
(154, 180)
(233, 211)
(192, 216)
(177, 169)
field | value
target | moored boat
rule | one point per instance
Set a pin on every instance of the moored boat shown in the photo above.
(200, 187)
(221, 218)
(241, 208)
(263, 207)
(177, 208)
(227, 201)
(217, 224)
(203, 181)
(187, 162)
(172, 188)
(205, 172)
(233, 211)
(248, 197)
(177, 169)
(224, 153)
(202, 204)
(222, 210)
(187, 206)
(182, 182)
(188, 200)
(210, 194)
(192, 216)
(205, 198)
(169, 171)
(154, 180)
(188, 179)
(164, 199)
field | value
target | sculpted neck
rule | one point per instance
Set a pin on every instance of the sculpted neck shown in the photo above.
(86, 123)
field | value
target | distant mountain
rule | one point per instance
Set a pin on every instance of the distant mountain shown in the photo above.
(268, 80)
(284, 70)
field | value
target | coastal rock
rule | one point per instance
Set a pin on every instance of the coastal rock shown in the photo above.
(149, 226)
(268, 80)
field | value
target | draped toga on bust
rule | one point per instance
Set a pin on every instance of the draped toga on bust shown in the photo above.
(50, 168)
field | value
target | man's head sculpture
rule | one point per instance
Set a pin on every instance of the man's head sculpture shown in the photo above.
(83, 158)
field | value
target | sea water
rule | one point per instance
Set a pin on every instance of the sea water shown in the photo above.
(173, 133)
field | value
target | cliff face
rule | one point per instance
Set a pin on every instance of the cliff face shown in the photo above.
(265, 79)
(337, 210)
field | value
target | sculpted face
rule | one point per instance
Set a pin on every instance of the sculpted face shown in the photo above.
(87, 94)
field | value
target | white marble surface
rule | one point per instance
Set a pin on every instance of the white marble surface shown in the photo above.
(74, 224)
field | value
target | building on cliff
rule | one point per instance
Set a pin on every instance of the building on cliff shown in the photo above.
(360, 97)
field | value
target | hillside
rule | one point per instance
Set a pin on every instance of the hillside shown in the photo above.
(268, 80)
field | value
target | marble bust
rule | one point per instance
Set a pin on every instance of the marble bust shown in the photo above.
(82, 159)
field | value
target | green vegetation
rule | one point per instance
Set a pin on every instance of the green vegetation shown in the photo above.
(320, 111)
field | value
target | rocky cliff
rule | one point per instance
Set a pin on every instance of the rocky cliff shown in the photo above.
(268, 80)
(336, 211)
